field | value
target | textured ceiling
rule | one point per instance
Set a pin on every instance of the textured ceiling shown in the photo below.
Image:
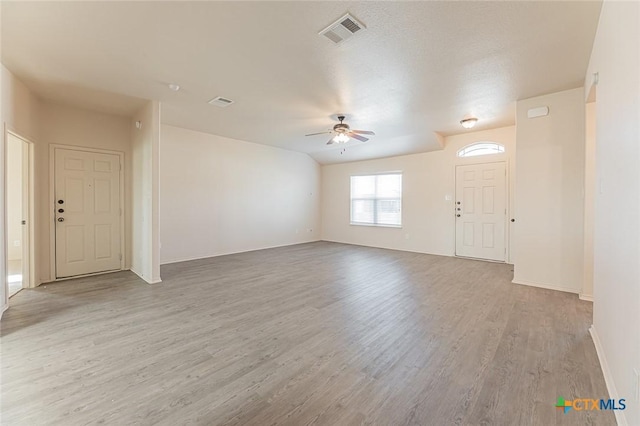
(417, 69)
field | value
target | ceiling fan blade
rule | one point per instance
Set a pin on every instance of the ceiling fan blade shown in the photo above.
(363, 132)
(331, 142)
(320, 133)
(358, 137)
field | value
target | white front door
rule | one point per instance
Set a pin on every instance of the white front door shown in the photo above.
(87, 206)
(481, 211)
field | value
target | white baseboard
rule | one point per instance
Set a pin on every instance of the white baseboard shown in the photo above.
(547, 286)
(586, 297)
(608, 378)
(153, 281)
(397, 249)
(207, 256)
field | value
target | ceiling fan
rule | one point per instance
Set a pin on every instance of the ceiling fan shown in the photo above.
(343, 133)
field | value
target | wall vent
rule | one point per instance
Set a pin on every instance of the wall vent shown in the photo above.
(343, 29)
(221, 102)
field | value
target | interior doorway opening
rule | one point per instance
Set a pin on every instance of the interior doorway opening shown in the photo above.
(589, 192)
(19, 213)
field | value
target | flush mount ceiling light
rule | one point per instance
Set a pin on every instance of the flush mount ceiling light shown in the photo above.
(468, 121)
(174, 87)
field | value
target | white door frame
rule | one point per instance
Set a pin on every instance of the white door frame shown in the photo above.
(52, 203)
(30, 280)
(507, 189)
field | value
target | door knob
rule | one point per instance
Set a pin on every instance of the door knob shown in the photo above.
(456, 216)
(60, 202)
(61, 219)
(60, 210)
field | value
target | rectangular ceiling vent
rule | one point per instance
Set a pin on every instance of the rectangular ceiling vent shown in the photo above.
(221, 102)
(343, 29)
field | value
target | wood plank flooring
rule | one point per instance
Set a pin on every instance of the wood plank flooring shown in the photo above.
(312, 334)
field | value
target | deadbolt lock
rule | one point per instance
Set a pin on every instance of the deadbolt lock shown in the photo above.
(60, 202)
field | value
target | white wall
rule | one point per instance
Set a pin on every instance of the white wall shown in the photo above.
(428, 220)
(589, 194)
(145, 193)
(221, 196)
(616, 312)
(14, 197)
(549, 205)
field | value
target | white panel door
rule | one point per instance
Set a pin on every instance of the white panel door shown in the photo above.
(87, 206)
(481, 211)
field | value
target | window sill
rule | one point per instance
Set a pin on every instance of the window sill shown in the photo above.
(375, 225)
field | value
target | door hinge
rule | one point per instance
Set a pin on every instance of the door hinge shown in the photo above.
(120, 256)
(120, 166)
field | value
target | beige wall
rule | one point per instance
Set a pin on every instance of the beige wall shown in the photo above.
(44, 123)
(15, 184)
(220, 196)
(616, 284)
(62, 125)
(428, 222)
(145, 192)
(549, 205)
(589, 194)
(20, 112)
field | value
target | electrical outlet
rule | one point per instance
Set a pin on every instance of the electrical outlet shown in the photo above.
(16, 243)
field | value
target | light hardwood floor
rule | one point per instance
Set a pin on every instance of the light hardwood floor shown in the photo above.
(318, 333)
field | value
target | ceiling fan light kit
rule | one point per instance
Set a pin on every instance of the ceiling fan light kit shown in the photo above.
(343, 133)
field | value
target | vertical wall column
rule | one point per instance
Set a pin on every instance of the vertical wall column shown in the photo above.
(145, 226)
(549, 200)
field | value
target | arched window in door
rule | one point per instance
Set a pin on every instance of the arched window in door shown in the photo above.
(481, 148)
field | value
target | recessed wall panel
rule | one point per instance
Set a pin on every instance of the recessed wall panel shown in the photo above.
(102, 195)
(101, 166)
(488, 235)
(488, 174)
(74, 164)
(468, 234)
(103, 241)
(73, 196)
(74, 243)
(468, 200)
(488, 200)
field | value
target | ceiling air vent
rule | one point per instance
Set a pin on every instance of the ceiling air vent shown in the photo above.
(221, 102)
(343, 29)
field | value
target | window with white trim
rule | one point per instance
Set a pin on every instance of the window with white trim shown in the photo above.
(481, 148)
(376, 200)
